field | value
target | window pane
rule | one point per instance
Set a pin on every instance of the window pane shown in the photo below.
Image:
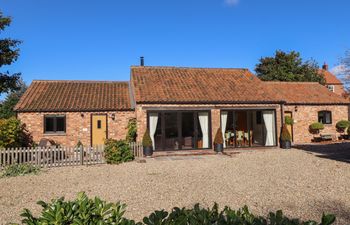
(98, 124)
(49, 124)
(60, 127)
(328, 117)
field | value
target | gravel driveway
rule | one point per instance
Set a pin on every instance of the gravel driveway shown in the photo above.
(298, 182)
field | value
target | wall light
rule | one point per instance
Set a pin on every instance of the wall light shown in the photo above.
(296, 108)
(113, 116)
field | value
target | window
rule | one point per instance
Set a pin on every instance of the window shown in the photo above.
(258, 117)
(99, 124)
(331, 88)
(54, 124)
(325, 117)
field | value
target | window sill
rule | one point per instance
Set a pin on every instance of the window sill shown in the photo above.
(55, 134)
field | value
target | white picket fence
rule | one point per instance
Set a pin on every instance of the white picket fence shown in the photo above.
(58, 156)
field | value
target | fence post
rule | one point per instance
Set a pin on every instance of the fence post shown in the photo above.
(81, 150)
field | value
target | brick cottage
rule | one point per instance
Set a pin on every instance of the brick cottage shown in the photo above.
(181, 107)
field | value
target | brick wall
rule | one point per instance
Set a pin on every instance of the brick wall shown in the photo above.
(305, 115)
(141, 113)
(339, 90)
(77, 127)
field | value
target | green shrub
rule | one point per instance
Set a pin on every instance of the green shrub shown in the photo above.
(132, 131)
(117, 151)
(288, 120)
(79, 144)
(14, 134)
(316, 127)
(96, 211)
(19, 170)
(218, 137)
(227, 216)
(285, 135)
(82, 211)
(146, 140)
(342, 125)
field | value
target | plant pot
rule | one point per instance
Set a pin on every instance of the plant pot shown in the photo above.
(147, 151)
(286, 144)
(219, 148)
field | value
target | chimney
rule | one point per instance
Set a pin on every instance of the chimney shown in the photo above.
(142, 61)
(325, 66)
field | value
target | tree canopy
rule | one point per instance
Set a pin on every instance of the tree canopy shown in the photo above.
(6, 107)
(8, 54)
(345, 73)
(284, 66)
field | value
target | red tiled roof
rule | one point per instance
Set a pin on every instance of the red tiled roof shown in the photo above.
(329, 77)
(75, 96)
(305, 93)
(198, 85)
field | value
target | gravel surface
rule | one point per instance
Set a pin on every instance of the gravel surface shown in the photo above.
(298, 182)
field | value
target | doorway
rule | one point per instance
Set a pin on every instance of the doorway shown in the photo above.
(98, 129)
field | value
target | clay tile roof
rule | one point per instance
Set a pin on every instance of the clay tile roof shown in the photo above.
(329, 77)
(198, 85)
(75, 96)
(305, 93)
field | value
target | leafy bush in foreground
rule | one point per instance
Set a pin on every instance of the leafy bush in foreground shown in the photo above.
(19, 170)
(87, 211)
(117, 152)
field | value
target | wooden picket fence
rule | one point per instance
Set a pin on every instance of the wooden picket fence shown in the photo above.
(58, 156)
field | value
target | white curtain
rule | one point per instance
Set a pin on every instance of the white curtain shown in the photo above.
(203, 120)
(269, 121)
(153, 120)
(223, 125)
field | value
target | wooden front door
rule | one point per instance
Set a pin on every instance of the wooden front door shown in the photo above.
(98, 129)
(289, 127)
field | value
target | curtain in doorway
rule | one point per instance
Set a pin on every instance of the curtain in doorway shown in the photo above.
(223, 125)
(203, 120)
(153, 120)
(270, 134)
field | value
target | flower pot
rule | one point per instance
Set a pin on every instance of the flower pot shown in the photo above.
(219, 148)
(147, 151)
(286, 144)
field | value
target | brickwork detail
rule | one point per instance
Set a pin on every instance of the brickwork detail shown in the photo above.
(78, 126)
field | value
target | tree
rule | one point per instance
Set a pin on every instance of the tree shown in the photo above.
(6, 107)
(288, 67)
(344, 74)
(8, 54)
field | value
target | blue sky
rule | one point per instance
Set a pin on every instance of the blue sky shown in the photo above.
(100, 39)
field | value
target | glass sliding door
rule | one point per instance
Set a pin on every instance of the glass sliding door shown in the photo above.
(248, 128)
(171, 130)
(180, 130)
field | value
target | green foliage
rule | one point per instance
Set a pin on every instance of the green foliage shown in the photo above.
(210, 216)
(146, 140)
(288, 67)
(132, 131)
(288, 120)
(316, 127)
(285, 135)
(218, 137)
(8, 54)
(342, 125)
(6, 108)
(14, 134)
(117, 151)
(19, 170)
(81, 211)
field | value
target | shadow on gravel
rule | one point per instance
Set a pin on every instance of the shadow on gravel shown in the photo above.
(335, 151)
(338, 208)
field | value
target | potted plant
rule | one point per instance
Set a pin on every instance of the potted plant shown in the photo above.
(286, 138)
(342, 126)
(219, 141)
(147, 144)
(315, 128)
